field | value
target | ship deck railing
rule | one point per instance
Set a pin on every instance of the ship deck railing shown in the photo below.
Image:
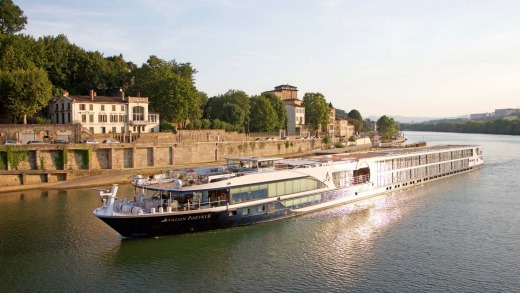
(346, 182)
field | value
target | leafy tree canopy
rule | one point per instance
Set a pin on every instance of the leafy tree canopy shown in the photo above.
(263, 116)
(279, 108)
(25, 92)
(232, 107)
(357, 119)
(12, 19)
(316, 110)
(170, 90)
(387, 127)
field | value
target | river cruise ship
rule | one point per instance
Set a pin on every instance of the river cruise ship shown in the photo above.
(250, 190)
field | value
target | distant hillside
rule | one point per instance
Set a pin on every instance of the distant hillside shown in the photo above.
(403, 119)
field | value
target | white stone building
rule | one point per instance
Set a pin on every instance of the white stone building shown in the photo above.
(100, 114)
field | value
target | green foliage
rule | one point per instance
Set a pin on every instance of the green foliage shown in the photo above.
(25, 92)
(326, 140)
(41, 120)
(15, 156)
(387, 127)
(12, 19)
(279, 108)
(170, 89)
(218, 124)
(499, 126)
(316, 110)
(356, 119)
(3, 160)
(232, 107)
(166, 126)
(341, 113)
(252, 145)
(279, 146)
(262, 116)
(85, 158)
(42, 163)
(62, 159)
(352, 139)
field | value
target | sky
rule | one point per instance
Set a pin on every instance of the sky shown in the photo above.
(414, 58)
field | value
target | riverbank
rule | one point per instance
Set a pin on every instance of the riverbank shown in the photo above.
(125, 176)
(112, 177)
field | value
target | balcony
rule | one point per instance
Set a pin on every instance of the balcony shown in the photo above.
(137, 122)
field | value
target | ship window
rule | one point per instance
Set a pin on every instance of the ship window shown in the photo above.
(245, 211)
(280, 188)
(289, 186)
(261, 208)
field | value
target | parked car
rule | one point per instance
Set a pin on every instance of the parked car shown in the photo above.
(11, 142)
(90, 141)
(110, 141)
(59, 141)
(35, 142)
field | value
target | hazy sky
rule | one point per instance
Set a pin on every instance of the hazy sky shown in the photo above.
(421, 58)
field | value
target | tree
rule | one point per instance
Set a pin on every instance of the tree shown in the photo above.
(232, 107)
(357, 120)
(12, 19)
(263, 116)
(17, 52)
(387, 127)
(279, 108)
(25, 92)
(316, 110)
(170, 89)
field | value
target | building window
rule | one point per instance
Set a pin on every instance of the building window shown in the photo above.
(122, 107)
(103, 130)
(113, 107)
(114, 130)
(63, 106)
(92, 130)
(102, 118)
(91, 107)
(63, 118)
(82, 107)
(56, 107)
(91, 118)
(122, 129)
(113, 118)
(83, 118)
(102, 107)
(138, 113)
(68, 117)
(68, 106)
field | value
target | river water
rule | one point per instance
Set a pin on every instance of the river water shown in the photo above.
(460, 234)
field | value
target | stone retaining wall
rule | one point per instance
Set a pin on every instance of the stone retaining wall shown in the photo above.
(26, 164)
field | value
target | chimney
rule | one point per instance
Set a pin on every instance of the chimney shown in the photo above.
(66, 93)
(122, 94)
(92, 95)
(138, 94)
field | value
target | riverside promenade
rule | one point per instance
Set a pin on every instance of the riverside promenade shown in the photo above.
(125, 176)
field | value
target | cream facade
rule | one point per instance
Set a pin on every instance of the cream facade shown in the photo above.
(100, 114)
(343, 128)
